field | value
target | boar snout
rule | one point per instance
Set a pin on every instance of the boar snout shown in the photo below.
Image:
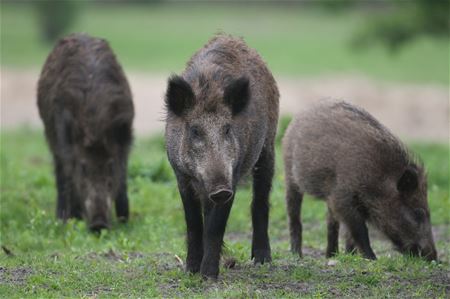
(221, 195)
(98, 223)
(218, 185)
(99, 220)
(98, 213)
(429, 254)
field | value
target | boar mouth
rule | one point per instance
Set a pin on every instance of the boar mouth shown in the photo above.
(414, 250)
(221, 195)
(97, 225)
(417, 251)
(97, 212)
(429, 254)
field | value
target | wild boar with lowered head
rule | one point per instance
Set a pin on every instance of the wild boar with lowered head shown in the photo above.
(85, 103)
(222, 115)
(338, 152)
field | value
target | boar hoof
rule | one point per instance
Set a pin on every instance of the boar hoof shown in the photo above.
(261, 256)
(331, 253)
(192, 268)
(297, 250)
(122, 219)
(211, 275)
(370, 256)
(209, 269)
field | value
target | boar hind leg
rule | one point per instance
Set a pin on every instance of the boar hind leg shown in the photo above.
(122, 209)
(294, 205)
(194, 226)
(333, 234)
(349, 243)
(216, 217)
(262, 183)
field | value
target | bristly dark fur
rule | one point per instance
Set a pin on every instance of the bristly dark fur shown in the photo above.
(227, 132)
(86, 105)
(340, 153)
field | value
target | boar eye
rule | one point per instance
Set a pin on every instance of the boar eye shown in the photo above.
(419, 215)
(195, 131)
(83, 168)
(109, 184)
(227, 129)
(110, 166)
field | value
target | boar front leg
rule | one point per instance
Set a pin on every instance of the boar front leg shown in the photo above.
(216, 217)
(194, 225)
(353, 215)
(358, 230)
(122, 209)
(360, 234)
(62, 204)
(262, 183)
(68, 204)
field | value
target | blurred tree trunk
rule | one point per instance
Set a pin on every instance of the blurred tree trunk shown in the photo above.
(56, 17)
(404, 21)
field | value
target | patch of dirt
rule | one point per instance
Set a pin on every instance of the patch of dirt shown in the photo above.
(115, 256)
(14, 276)
(271, 281)
(411, 111)
(99, 291)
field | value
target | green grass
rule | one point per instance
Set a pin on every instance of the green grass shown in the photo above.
(138, 259)
(293, 40)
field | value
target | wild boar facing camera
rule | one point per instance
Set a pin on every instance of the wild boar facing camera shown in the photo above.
(222, 115)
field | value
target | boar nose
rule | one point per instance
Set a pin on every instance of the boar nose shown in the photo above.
(99, 223)
(429, 254)
(221, 196)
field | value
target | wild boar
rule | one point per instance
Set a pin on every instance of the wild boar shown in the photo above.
(222, 115)
(86, 106)
(340, 153)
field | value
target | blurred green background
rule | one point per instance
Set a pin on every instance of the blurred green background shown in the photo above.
(308, 38)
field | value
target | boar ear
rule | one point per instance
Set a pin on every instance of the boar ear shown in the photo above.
(179, 95)
(121, 132)
(237, 94)
(408, 181)
(120, 128)
(65, 133)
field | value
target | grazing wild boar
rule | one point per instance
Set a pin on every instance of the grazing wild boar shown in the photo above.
(85, 103)
(222, 115)
(340, 153)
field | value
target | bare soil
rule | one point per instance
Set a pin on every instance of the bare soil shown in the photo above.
(14, 276)
(412, 111)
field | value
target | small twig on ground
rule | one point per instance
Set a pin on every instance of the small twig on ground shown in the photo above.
(179, 260)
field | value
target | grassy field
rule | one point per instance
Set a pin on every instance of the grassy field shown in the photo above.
(292, 39)
(139, 259)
